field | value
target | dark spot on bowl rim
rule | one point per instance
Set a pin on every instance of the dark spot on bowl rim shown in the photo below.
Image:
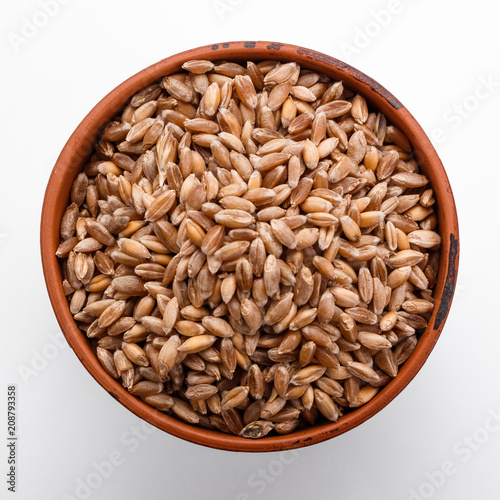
(451, 281)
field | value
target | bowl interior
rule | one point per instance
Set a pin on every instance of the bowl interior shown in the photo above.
(76, 154)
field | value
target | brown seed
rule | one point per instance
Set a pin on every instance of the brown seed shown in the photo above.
(388, 321)
(326, 308)
(308, 375)
(246, 91)
(228, 354)
(344, 297)
(330, 386)
(318, 335)
(146, 388)
(198, 67)
(130, 285)
(417, 306)
(257, 256)
(105, 357)
(111, 313)
(399, 276)
(325, 405)
(386, 361)
(256, 430)
(278, 309)
(160, 205)
(304, 287)
(170, 315)
(162, 401)
(134, 248)
(325, 267)
(405, 258)
(99, 232)
(350, 228)
(290, 342)
(185, 411)
(366, 393)
(271, 276)
(135, 353)
(340, 171)
(256, 382)
(231, 251)
(196, 344)
(387, 164)
(365, 284)
(281, 380)
(251, 314)
(244, 275)
(68, 222)
(217, 326)
(307, 352)
(348, 327)
(272, 407)
(233, 420)
(283, 233)
(233, 218)
(316, 204)
(404, 349)
(304, 317)
(424, 239)
(363, 372)
(234, 397)
(362, 315)
(373, 341)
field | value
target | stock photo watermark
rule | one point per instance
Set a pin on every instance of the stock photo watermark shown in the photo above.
(100, 471)
(463, 450)
(224, 7)
(264, 476)
(454, 117)
(40, 358)
(12, 438)
(363, 36)
(33, 24)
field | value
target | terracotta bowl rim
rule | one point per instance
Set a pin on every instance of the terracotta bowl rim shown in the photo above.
(78, 146)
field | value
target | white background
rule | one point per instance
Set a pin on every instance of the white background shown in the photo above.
(435, 57)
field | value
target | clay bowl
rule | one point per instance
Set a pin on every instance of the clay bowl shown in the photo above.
(77, 151)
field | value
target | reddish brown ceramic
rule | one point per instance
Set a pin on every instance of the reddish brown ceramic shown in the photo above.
(77, 150)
